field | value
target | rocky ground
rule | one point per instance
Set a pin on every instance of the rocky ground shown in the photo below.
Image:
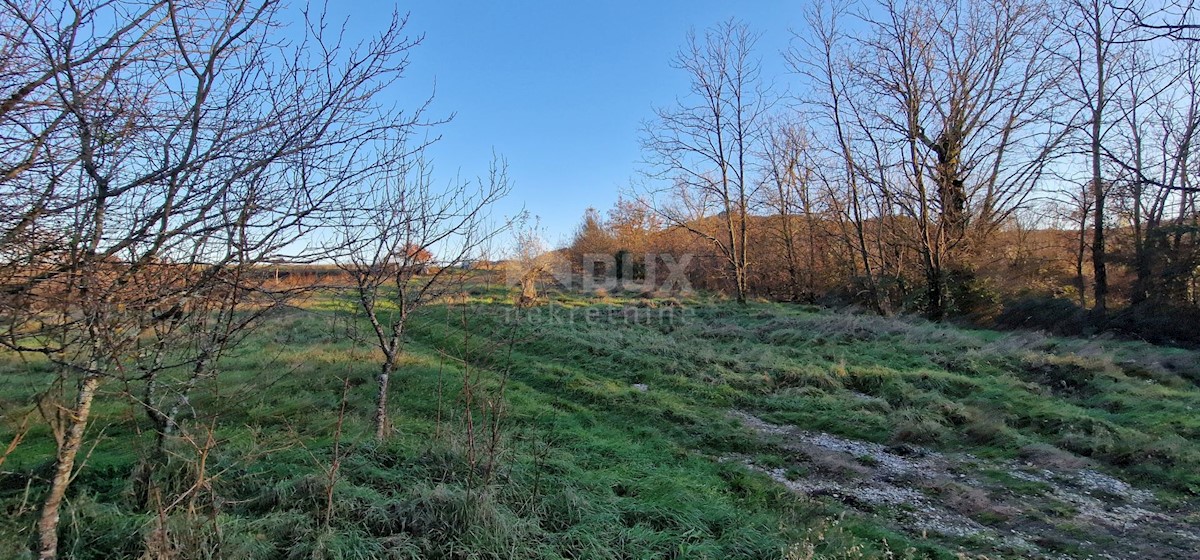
(1047, 504)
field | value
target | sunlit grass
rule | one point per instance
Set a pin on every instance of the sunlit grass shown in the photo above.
(611, 431)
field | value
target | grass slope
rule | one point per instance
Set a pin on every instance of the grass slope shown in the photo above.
(617, 438)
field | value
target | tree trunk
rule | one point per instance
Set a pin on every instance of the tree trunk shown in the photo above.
(741, 283)
(1080, 254)
(64, 467)
(1099, 258)
(529, 292)
(1143, 283)
(382, 421)
(936, 292)
(860, 236)
(1099, 264)
(789, 249)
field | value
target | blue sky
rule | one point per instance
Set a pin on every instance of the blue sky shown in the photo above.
(558, 88)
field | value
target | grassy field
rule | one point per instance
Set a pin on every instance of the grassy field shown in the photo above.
(612, 427)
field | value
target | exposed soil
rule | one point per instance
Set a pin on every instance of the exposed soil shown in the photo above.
(1049, 504)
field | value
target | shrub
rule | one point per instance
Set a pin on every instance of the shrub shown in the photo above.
(1056, 315)
(1159, 324)
(971, 295)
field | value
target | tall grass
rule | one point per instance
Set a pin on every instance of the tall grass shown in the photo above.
(588, 465)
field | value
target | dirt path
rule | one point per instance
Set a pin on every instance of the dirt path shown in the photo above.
(1051, 505)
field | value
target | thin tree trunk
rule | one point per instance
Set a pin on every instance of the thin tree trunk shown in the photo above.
(935, 288)
(789, 248)
(810, 289)
(1141, 247)
(789, 242)
(64, 467)
(382, 421)
(1080, 255)
(1099, 258)
(860, 236)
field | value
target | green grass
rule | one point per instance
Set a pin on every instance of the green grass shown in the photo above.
(590, 466)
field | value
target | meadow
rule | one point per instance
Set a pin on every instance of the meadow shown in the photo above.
(618, 426)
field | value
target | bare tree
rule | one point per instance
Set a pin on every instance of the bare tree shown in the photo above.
(947, 113)
(531, 260)
(1096, 38)
(706, 145)
(406, 219)
(791, 196)
(1164, 19)
(1076, 210)
(151, 148)
(1154, 167)
(823, 57)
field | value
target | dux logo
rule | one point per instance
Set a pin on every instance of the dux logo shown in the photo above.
(621, 271)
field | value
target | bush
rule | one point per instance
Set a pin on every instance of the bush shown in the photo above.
(971, 295)
(1151, 322)
(1158, 324)
(1056, 315)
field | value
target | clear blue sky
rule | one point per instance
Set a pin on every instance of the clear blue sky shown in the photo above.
(559, 88)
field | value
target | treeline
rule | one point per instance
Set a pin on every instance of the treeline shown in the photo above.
(945, 158)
